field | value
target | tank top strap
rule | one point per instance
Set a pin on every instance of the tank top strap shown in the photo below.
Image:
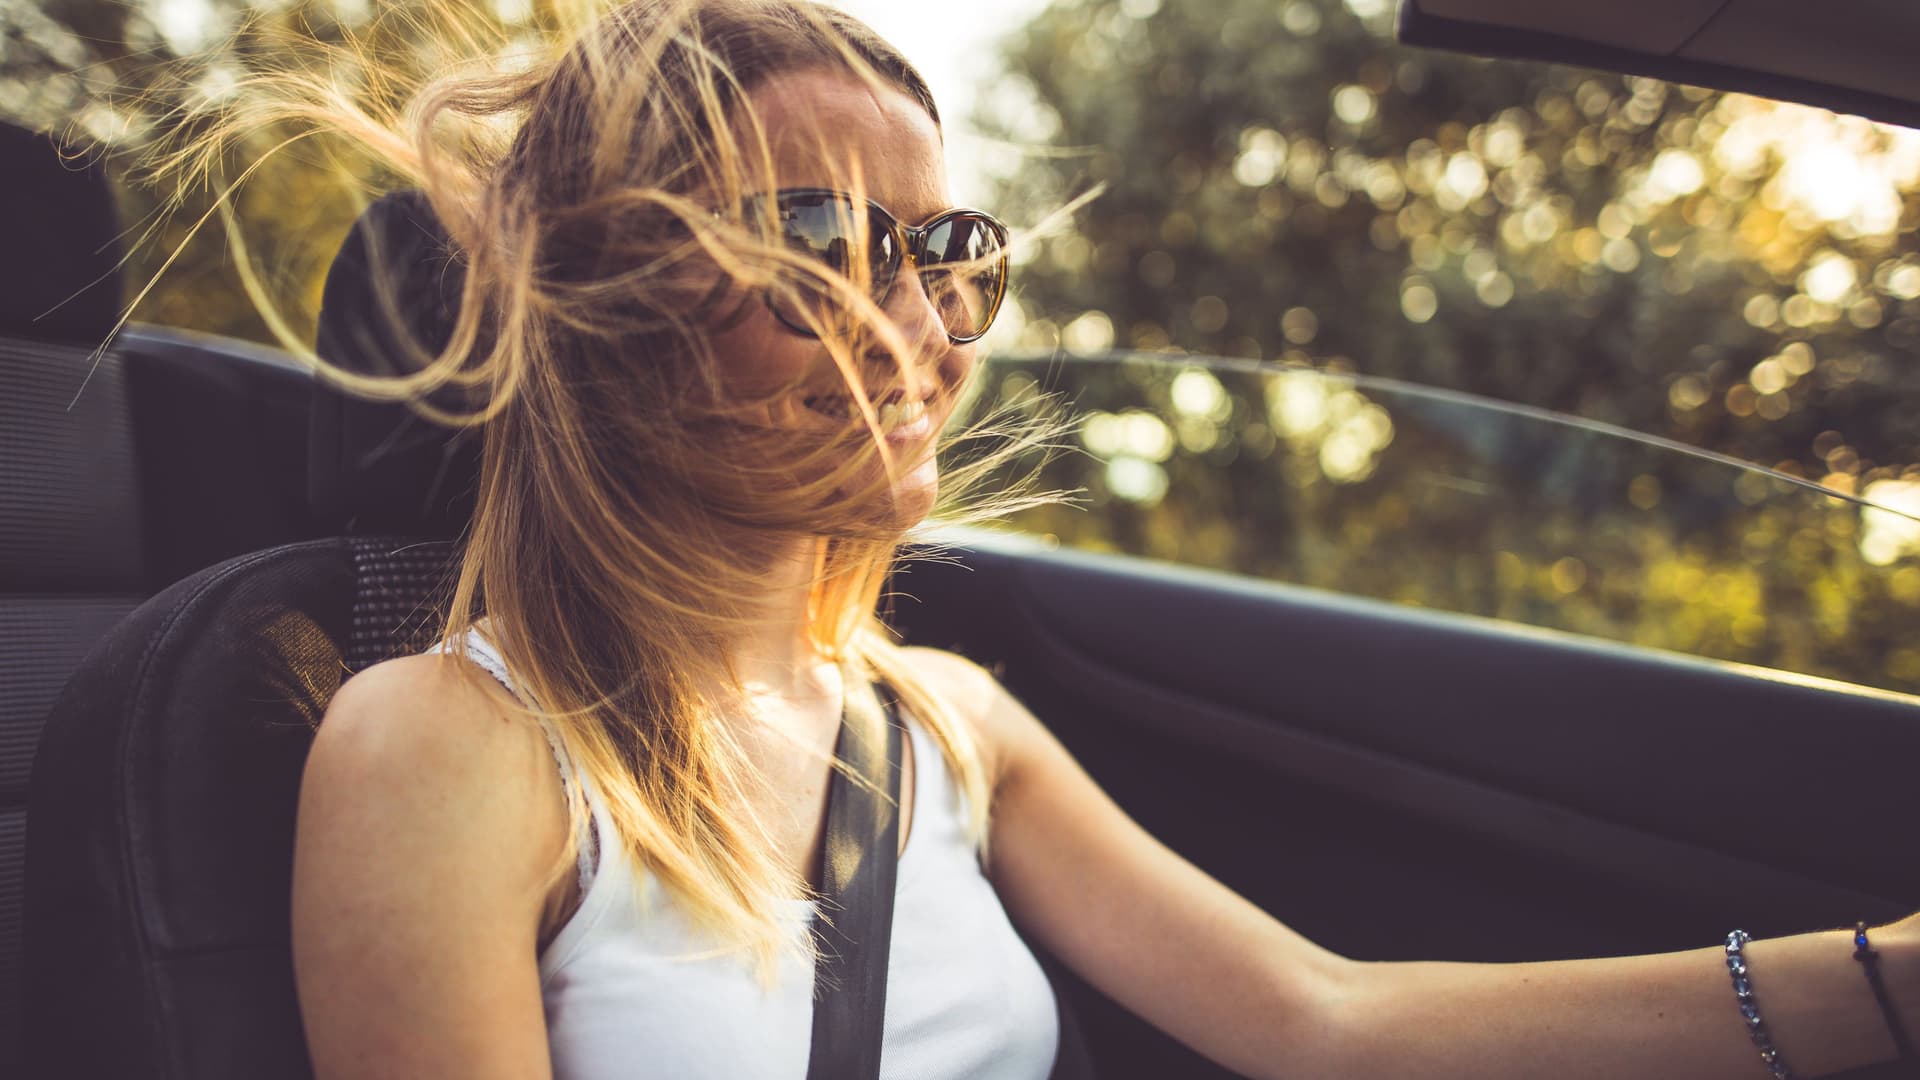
(481, 651)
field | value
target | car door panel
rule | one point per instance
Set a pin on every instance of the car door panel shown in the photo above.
(1405, 785)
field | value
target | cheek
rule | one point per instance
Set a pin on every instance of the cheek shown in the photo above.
(757, 357)
(959, 368)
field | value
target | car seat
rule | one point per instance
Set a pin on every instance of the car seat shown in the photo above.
(165, 786)
(171, 764)
(119, 472)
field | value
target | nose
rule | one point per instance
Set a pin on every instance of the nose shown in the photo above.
(910, 307)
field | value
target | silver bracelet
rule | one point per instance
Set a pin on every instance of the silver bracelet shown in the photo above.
(1750, 1007)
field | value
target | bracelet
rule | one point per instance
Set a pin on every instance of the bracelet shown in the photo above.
(1750, 1007)
(1870, 960)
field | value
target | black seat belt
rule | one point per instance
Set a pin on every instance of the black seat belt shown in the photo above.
(854, 930)
(861, 860)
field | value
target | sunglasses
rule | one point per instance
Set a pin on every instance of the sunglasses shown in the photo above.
(960, 255)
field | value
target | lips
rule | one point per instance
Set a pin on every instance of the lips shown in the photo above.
(900, 419)
(907, 421)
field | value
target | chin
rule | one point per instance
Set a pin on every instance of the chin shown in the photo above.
(912, 498)
(912, 506)
(876, 510)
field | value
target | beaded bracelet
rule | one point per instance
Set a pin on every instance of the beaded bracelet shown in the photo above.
(1750, 1007)
(1870, 960)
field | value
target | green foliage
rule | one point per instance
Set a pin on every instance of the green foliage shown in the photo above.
(1286, 185)
(1615, 247)
(121, 79)
(1384, 490)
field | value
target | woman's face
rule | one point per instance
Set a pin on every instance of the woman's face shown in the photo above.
(825, 127)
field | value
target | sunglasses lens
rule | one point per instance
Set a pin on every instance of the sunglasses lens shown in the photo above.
(964, 266)
(829, 230)
(965, 272)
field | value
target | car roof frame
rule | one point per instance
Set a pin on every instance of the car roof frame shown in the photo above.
(1436, 24)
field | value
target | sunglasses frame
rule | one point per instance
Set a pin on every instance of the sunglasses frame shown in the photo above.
(911, 242)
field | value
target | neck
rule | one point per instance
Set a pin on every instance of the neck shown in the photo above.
(775, 655)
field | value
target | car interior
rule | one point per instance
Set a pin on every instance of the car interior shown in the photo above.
(199, 541)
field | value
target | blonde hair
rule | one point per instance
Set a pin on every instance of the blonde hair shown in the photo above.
(591, 189)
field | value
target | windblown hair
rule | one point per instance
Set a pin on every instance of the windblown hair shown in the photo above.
(630, 506)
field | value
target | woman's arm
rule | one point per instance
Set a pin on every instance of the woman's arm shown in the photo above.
(429, 818)
(1672, 1014)
(1214, 971)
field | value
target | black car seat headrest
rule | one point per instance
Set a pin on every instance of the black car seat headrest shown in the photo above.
(389, 303)
(60, 274)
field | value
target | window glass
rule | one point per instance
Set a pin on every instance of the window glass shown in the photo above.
(1284, 184)
(1447, 501)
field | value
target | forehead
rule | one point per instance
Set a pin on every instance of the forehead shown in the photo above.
(824, 128)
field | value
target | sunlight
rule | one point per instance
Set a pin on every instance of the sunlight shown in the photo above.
(1888, 534)
(187, 25)
(1839, 169)
(956, 55)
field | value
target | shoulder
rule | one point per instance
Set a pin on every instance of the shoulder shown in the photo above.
(432, 722)
(424, 765)
(434, 704)
(430, 835)
(957, 679)
(1004, 728)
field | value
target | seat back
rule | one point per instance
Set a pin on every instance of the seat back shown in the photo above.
(120, 471)
(164, 790)
(172, 761)
(70, 568)
(70, 564)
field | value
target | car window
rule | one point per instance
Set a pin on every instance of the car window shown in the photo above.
(1298, 223)
(1448, 501)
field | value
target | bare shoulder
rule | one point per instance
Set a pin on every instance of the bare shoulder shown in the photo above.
(953, 675)
(430, 821)
(431, 704)
(431, 748)
(1004, 727)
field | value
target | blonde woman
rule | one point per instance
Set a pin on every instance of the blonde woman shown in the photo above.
(718, 310)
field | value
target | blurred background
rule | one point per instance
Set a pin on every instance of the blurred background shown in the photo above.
(1347, 315)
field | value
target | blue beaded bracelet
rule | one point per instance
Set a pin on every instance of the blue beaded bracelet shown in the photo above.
(1750, 1007)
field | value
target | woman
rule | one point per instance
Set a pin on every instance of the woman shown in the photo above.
(578, 839)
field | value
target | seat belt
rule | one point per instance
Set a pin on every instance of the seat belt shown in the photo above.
(861, 860)
(854, 928)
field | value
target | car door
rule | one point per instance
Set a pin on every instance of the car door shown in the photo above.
(1358, 666)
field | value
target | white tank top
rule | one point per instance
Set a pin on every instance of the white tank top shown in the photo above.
(632, 990)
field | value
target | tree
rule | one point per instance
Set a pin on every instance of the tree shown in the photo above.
(1288, 183)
